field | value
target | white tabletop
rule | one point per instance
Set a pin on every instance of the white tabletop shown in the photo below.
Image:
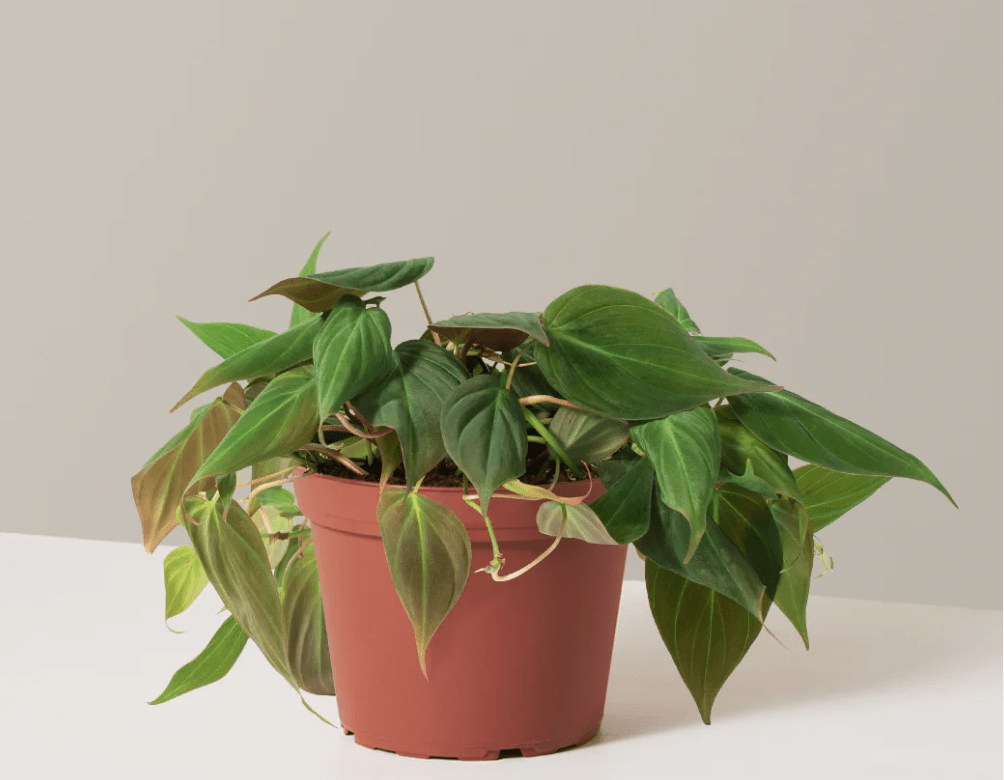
(887, 691)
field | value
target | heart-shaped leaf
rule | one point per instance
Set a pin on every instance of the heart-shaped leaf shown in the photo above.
(667, 299)
(276, 498)
(829, 494)
(685, 451)
(726, 347)
(411, 399)
(587, 437)
(234, 558)
(539, 492)
(274, 354)
(227, 338)
(792, 596)
(484, 433)
(300, 315)
(718, 563)
(498, 331)
(626, 504)
(617, 353)
(161, 484)
(740, 448)
(573, 522)
(211, 664)
(280, 420)
(793, 425)
(706, 633)
(306, 637)
(184, 580)
(320, 292)
(747, 521)
(351, 352)
(429, 555)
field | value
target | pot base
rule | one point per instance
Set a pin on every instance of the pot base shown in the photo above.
(474, 753)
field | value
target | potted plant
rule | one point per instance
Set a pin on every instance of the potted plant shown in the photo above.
(529, 447)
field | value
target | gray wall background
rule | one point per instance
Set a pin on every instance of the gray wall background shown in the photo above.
(821, 177)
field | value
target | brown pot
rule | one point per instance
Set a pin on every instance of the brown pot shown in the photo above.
(519, 665)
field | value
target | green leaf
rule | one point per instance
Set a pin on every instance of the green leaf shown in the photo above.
(725, 347)
(184, 580)
(161, 484)
(351, 352)
(234, 558)
(299, 315)
(211, 664)
(227, 338)
(718, 563)
(741, 449)
(320, 292)
(792, 595)
(706, 633)
(667, 299)
(498, 331)
(484, 433)
(829, 494)
(626, 504)
(411, 399)
(277, 498)
(274, 354)
(306, 636)
(573, 522)
(279, 421)
(793, 425)
(747, 480)
(617, 353)
(747, 521)
(268, 520)
(587, 437)
(685, 452)
(429, 555)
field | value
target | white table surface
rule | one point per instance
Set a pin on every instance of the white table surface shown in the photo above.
(887, 691)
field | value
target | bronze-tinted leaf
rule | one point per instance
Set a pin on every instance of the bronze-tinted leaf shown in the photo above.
(306, 636)
(498, 331)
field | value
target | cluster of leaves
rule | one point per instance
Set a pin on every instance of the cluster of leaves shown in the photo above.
(693, 457)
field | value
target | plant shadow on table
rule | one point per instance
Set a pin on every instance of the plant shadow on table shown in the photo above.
(856, 647)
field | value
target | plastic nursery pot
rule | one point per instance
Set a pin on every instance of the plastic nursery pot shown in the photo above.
(518, 665)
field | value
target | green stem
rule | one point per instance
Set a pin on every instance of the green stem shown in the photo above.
(496, 552)
(536, 439)
(551, 441)
(515, 363)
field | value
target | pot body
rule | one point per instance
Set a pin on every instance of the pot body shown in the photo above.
(520, 665)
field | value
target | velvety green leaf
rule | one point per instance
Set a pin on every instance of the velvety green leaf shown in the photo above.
(740, 449)
(829, 494)
(236, 563)
(351, 352)
(268, 520)
(306, 636)
(411, 400)
(227, 338)
(484, 433)
(610, 471)
(299, 315)
(391, 456)
(280, 420)
(792, 595)
(211, 664)
(498, 331)
(747, 521)
(617, 353)
(161, 484)
(793, 425)
(685, 452)
(718, 563)
(573, 522)
(274, 354)
(320, 292)
(587, 437)
(706, 633)
(292, 551)
(667, 299)
(626, 504)
(747, 480)
(429, 555)
(721, 347)
(184, 580)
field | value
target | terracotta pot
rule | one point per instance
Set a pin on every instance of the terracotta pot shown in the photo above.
(516, 665)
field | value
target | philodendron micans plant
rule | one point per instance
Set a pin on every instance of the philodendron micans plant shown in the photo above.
(693, 457)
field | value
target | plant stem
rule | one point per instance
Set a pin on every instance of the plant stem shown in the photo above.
(472, 502)
(515, 364)
(551, 441)
(506, 577)
(428, 317)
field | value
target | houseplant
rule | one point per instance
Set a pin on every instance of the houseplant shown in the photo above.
(609, 418)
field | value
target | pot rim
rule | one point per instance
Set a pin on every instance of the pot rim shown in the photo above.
(364, 484)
